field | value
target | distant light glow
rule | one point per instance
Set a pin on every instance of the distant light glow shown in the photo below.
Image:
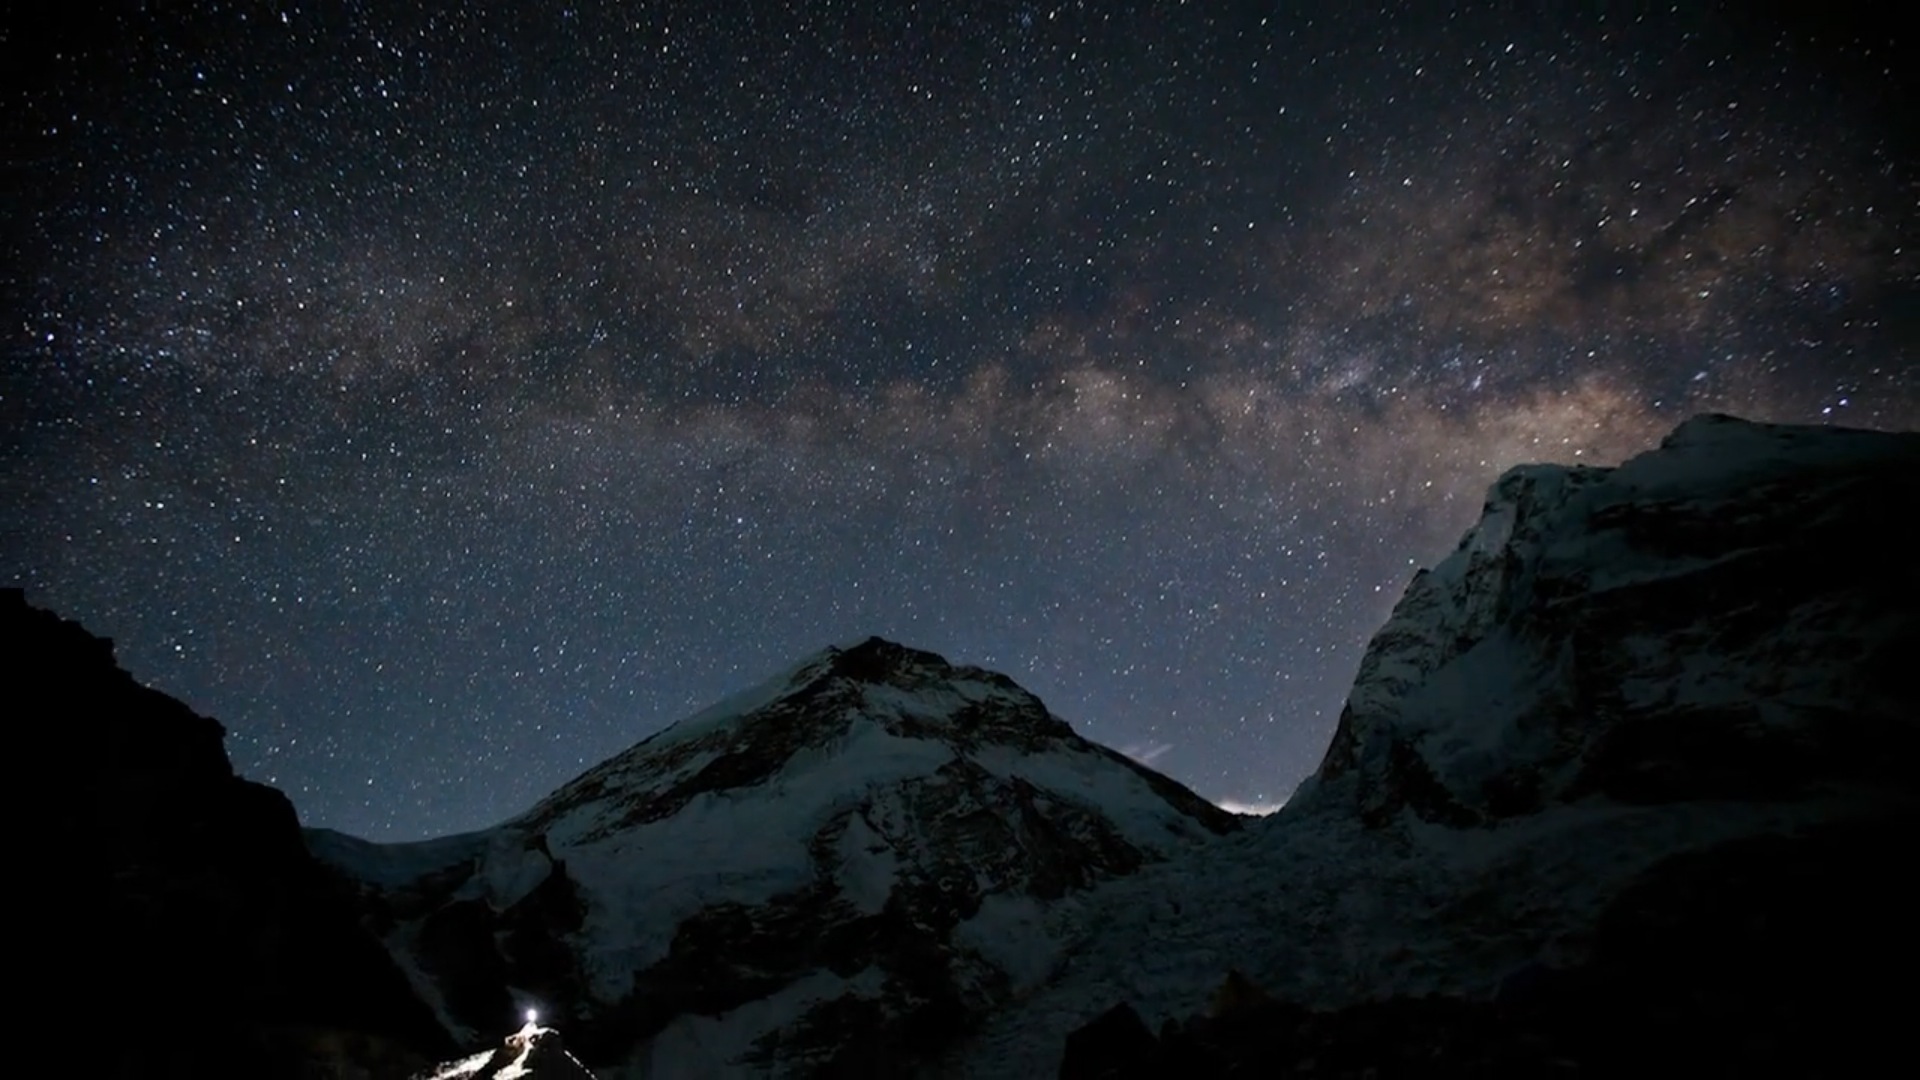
(533, 1016)
(1255, 809)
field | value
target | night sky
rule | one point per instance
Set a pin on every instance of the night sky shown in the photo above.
(446, 402)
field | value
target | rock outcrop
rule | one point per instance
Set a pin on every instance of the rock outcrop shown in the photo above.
(187, 931)
(837, 872)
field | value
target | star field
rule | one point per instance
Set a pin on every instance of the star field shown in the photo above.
(447, 400)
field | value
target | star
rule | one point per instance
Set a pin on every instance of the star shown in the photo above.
(448, 400)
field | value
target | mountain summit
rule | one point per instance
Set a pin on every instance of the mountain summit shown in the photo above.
(837, 870)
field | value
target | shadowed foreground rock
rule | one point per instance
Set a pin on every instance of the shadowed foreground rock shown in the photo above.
(188, 931)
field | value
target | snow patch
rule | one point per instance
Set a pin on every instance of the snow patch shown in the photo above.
(728, 709)
(869, 866)
(463, 1068)
(1122, 796)
(1012, 933)
(511, 868)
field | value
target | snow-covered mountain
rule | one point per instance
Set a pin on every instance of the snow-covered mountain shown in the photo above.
(1725, 618)
(840, 870)
(1625, 779)
(1653, 725)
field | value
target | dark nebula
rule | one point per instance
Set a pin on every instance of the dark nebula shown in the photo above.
(447, 400)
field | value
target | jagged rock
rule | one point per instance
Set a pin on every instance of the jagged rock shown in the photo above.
(1114, 1044)
(835, 873)
(197, 935)
(1237, 995)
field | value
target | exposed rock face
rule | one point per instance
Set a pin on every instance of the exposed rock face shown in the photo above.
(197, 935)
(1724, 618)
(834, 873)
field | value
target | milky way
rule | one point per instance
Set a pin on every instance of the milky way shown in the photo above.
(445, 402)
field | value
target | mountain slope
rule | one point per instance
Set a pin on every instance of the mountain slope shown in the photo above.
(835, 872)
(1622, 676)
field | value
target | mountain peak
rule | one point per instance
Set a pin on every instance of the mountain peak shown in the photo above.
(872, 672)
(852, 714)
(830, 871)
(877, 660)
(872, 662)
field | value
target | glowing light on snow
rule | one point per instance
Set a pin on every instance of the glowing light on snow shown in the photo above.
(533, 1016)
